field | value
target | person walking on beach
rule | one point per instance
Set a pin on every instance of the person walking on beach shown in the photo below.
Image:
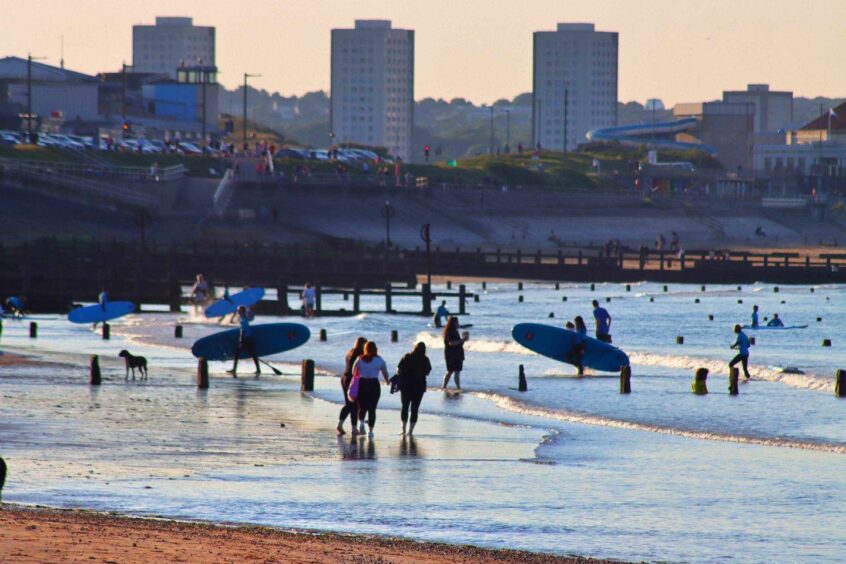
(412, 370)
(603, 322)
(246, 342)
(199, 292)
(367, 369)
(309, 299)
(453, 352)
(350, 408)
(755, 317)
(742, 346)
(441, 313)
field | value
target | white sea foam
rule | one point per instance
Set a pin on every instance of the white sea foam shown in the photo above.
(435, 341)
(514, 405)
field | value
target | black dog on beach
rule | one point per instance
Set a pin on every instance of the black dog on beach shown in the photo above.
(133, 362)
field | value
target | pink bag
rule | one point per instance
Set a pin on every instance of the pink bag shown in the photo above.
(352, 392)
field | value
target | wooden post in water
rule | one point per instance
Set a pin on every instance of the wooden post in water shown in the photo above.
(626, 380)
(734, 374)
(462, 299)
(94, 371)
(177, 332)
(2, 476)
(282, 299)
(323, 335)
(175, 294)
(394, 336)
(840, 384)
(307, 376)
(107, 331)
(356, 299)
(33, 329)
(318, 299)
(427, 299)
(202, 373)
(388, 305)
(522, 385)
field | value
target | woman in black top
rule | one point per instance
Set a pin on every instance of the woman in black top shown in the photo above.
(413, 369)
(350, 408)
(453, 352)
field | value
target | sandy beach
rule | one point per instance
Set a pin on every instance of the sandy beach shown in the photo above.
(50, 535)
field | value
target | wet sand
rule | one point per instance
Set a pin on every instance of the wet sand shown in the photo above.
(51, 535)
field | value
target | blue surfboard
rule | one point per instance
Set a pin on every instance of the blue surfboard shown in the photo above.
(557, 343)
(270, 338)
(774, 327)
(247, 298)
(98, 313)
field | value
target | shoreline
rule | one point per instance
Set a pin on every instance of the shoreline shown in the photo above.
(43, 534)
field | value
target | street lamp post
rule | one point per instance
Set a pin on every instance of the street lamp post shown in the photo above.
(246, 76)
(491, 151)
(388, 212)
(29, 60)
(425, 234)
(508, 131)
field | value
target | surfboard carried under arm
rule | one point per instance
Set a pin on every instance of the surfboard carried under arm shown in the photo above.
(559, 344)
(98, 313)
(268, 339)
(246, 298)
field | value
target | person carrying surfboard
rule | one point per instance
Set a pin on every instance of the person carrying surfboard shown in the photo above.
(245, 343)
(742, 346)
(754, 317)
(603, 322)
(775, 321)
(102, 299)
(578, 349)
(453, 352)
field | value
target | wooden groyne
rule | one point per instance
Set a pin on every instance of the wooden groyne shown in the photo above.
(52, 274)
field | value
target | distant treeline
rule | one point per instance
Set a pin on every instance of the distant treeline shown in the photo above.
(453, 129)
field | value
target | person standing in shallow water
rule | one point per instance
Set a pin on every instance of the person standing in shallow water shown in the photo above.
(453, 352)
(350, 408)
(742, 346)
(413, 369)
(367, 368)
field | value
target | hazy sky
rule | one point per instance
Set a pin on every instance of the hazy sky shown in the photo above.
(677, 50)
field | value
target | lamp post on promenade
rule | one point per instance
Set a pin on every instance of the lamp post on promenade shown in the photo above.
(246, 76)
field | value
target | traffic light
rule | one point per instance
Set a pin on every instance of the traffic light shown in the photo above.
(426, 149)
(127, 127)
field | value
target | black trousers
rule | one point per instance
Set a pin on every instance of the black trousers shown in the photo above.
(744, 360)
(350, 408)
(369, 392)
(412, 399)
(249, 345)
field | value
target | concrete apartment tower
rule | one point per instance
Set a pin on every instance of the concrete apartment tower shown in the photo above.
(373, 87)
(581, 62)
(170, 44)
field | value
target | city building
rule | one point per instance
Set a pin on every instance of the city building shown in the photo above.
(773, 110)
(726, 127)
(372, 90)
(574, 84)
(170, 44)
(56, 93)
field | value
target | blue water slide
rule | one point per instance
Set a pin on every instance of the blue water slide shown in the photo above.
(645, 134)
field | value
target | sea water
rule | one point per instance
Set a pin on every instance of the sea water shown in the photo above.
(570, 466)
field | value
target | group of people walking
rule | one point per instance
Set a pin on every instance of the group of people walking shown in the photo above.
(364, 367)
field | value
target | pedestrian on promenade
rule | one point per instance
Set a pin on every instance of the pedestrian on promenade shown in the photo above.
(412, 371)
(453, 352)
(350, 408)
(367, 369)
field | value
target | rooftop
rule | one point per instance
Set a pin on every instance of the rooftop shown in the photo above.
(12, 68)
(838, 120)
